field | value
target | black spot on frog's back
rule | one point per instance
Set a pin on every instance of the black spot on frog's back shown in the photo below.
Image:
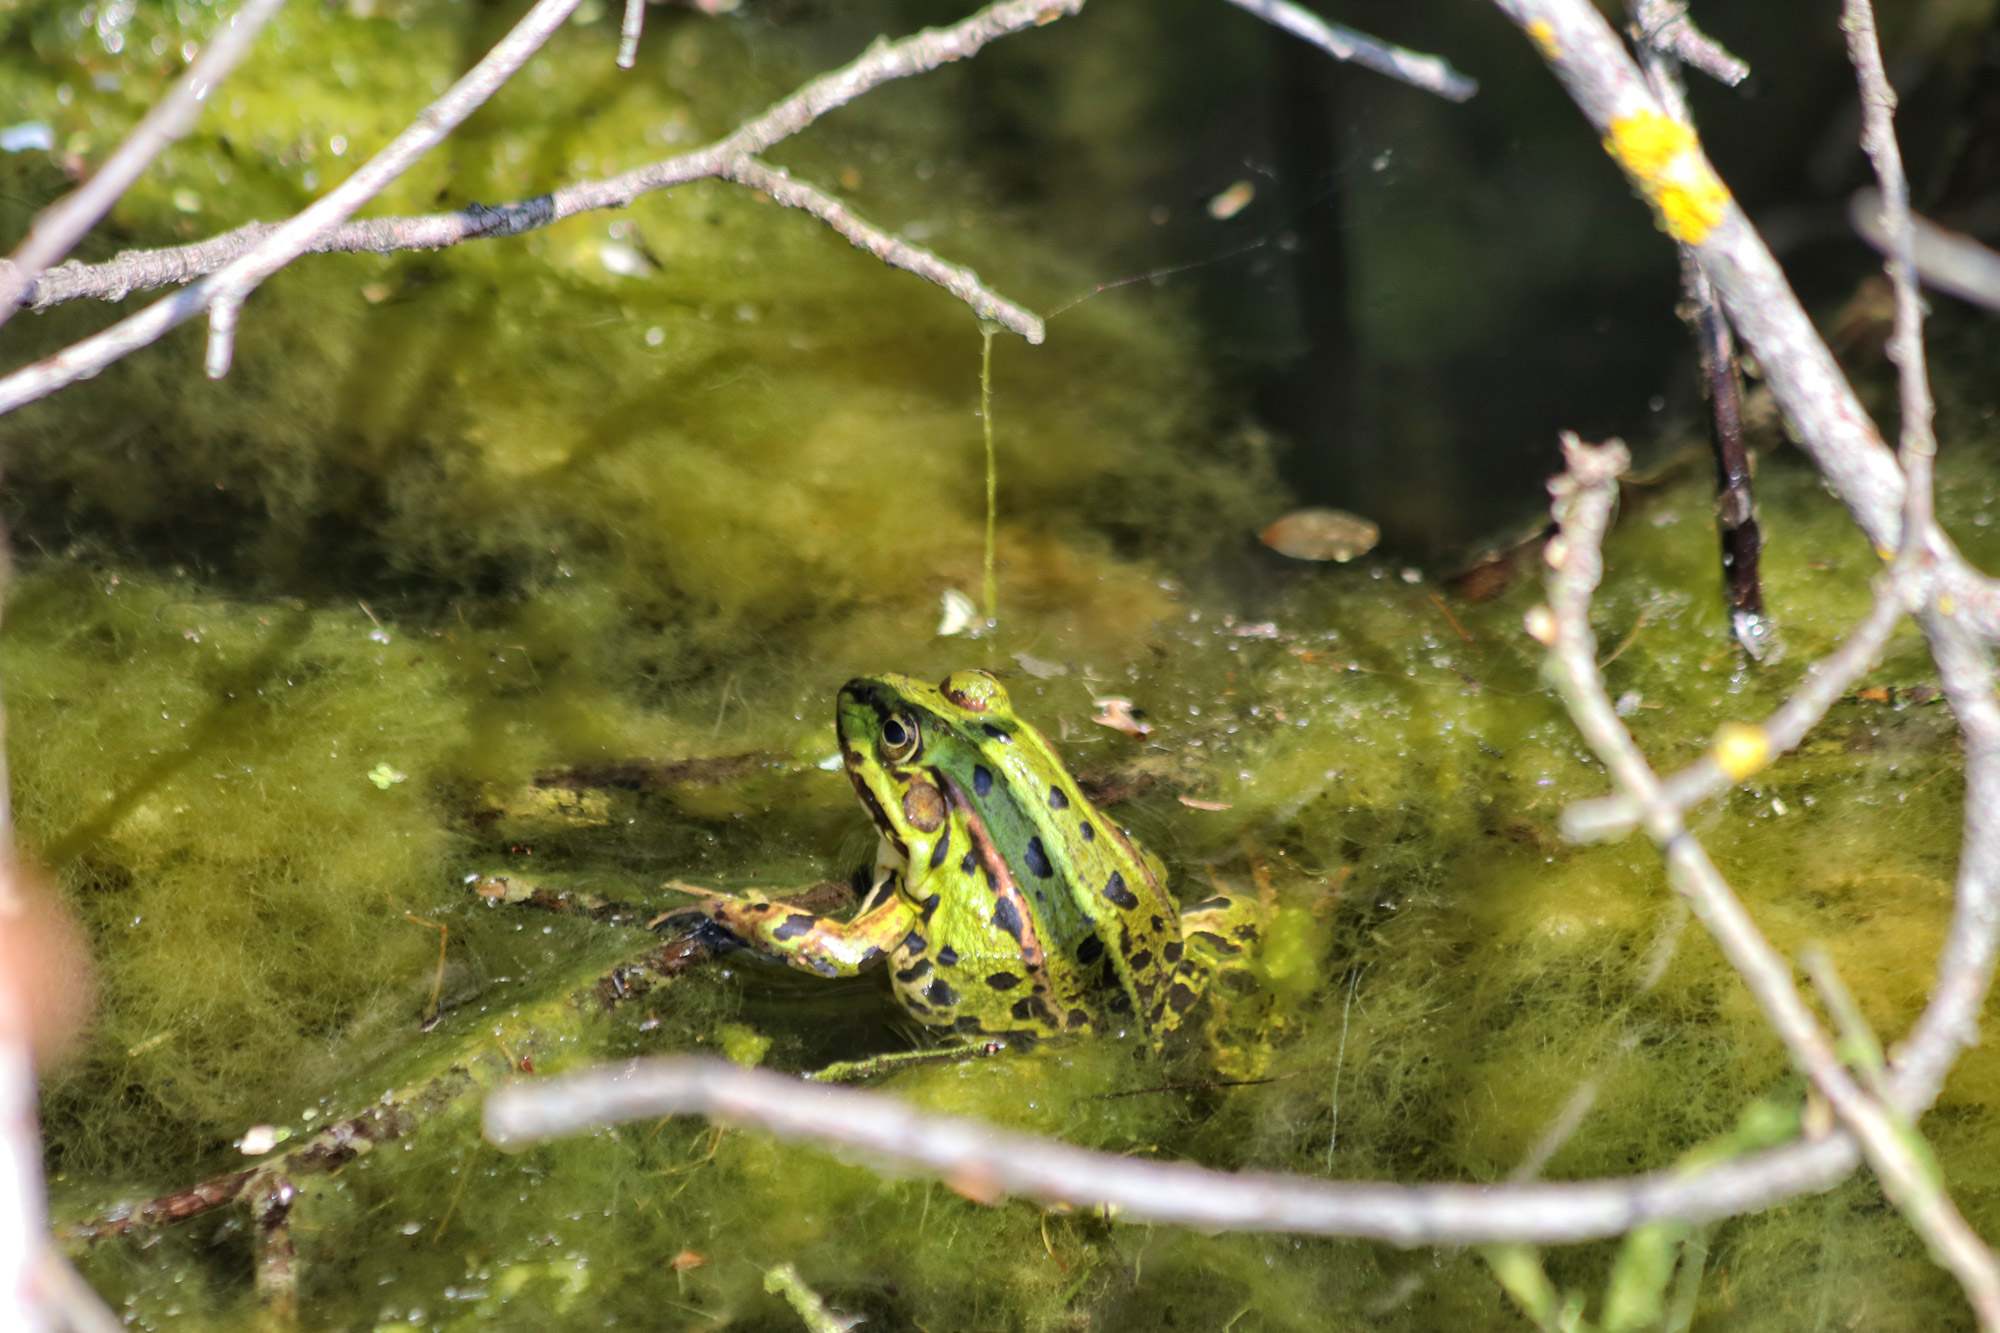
(997, 733)
(1089, 950)
(1005, 917)
(941, 850)
(940, 993)
(1003, 981)
(947, 956)
(1117, 894)
(1036, 858)
(982, 780)
(1057, 800)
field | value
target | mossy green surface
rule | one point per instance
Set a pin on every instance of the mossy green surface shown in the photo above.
(285, 652)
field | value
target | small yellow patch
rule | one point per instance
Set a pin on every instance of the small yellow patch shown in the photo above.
(1664, 161)
(1741, 748)
(1543, 34)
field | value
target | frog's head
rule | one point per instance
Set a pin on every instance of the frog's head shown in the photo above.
(895, 729)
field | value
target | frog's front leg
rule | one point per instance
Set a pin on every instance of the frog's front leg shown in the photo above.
(817, 944)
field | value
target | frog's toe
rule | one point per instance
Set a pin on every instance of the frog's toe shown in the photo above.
(679, 921)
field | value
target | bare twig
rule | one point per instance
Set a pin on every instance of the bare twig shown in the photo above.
(1584, 499)
(991, 1162)
(1948, 261)
(1663, 25)
(960, 282)
(1950, 1022)
(628, 33)
(24, 1230)
(1430, 73)
(61, 225)
(1918, 447)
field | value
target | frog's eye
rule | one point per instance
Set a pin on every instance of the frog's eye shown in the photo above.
(899, 738)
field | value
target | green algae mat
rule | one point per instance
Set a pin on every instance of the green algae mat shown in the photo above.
(543, 560)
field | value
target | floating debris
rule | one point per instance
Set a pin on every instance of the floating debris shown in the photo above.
(784, 1280)
(260, 1139)
(1321, 534)
(1194, 803)
(960, 615)
(1039, 669)
(386, 777)
(1232, 201)
(1119, 715)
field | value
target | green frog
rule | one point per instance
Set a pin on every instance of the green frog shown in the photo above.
(1003, 901)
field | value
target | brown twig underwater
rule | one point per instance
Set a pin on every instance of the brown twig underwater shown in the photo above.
(1666, 39)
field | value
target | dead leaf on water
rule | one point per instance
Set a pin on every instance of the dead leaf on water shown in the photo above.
(1321, 534)
(1119, 715)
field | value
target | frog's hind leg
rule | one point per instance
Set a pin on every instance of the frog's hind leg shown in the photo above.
(809, 942)
(1217, 934)
(1220, 930)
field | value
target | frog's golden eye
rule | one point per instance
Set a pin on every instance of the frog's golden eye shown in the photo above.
(899, 738)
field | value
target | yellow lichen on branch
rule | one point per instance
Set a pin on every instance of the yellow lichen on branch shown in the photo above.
(1664, 161)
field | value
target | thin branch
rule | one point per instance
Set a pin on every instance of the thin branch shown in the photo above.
(1433, 74)
(628, 33)
(1663, 25)
(58, 228)
(245, 257)
(991, 1162)
(892, 250)
(1948, 261)
(1585, 495)
(1918, 447)
(1950, 1022)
